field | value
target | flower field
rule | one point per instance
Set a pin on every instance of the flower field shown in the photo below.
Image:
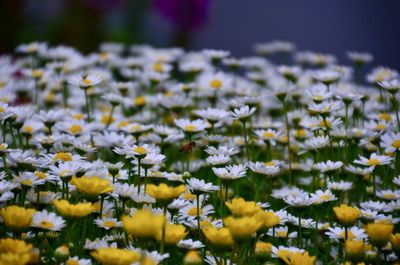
(143, 155)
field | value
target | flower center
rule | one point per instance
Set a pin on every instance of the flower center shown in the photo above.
(75, 129)
(46, 224)
(72, 262)
(193, 211)
(28, 129)
(157, 67)
(396, 144)
(78, 116)
(26, 182)
(269, 164)
(140, 150)
(389, 196)
(325, 123)
(281, 233)
(40, 175)
(140, 101)
(63, 156)
(190, 128)
(269, 135)
(325, 197)
(109, 223)
(380, 127)
(350, 235)
(86, 81)
(216, 84)
(373, 162)
(385, 116)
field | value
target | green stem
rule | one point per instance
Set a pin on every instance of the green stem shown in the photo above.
(87, 105)
(246, 142)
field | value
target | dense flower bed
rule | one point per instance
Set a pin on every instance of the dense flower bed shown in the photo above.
(147, 156)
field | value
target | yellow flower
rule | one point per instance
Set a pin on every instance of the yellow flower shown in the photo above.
(73, 210)
(395, 241)
(92, 185)
(268, 218)
(242, 227)
(346, 215)
(354, 250)
(192, 258)
(263, 249)
(240, 207)
(296, 258)
(115, 256)
(14, 251)
(379, 233)
(218, 237)
(173, 234)
(17, 217)
(144, 224)
(163, 192)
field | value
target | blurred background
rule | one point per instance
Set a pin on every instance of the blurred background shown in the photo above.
(323, 26)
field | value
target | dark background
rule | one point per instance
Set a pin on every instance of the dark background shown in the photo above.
(318, 25)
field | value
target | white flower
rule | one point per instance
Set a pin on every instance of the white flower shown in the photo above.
(243, 113)
(77, 261)
(391, 142)
(152, 159)
(360, 57)
(316, 142)
(47, 221)
(191, 126)
(301, 200)
(321, 196)
(196, 185)
(374, 160)
(230, 172)
(337, 233)
(222, 150)
(264, 169)
(388, 194)
(328, 166)
(108, 223)
(340, 186)
(392, 86)
(85, 81)
(212, 115)
(218, 160)
(268, 135)
(190, 244)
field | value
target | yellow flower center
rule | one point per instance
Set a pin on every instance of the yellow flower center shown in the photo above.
(103, 56)
(389, 196)
(193, 211)
(385, 116)
(46, 224)
(318, 97)
(135, 128)
(396, 144)
(158, 67)
(3, 147)
(350, 235)
(109, 223)
(78, 116)
(37, 74)
(300, 133)
(28, 129)
(325, 197)
(216, 84)
(380, 127)
(281, 233)
(190, 128)
(122, 124)
(72, 262)
(140, 101)
(63, 156)
(325, 123)
(269, 164)
(106, 119)
(373, 162)
(40, 175)
(269, 135)
(86, 81)
(140, 150)
(27, 182)
(1, 109)
(75, 129)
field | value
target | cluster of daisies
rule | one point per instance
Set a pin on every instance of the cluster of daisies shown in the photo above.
(144, 155)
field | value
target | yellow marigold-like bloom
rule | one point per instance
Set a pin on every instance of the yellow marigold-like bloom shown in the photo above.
(14, 251)
(73, 210)
(354, 250)
(379, 233)
(17, 217)
(115, 256)
(192, 258)
(263, 249)
(296, 258)
(240, 207)
(269, 219)
(395, 241)
(173, 234)
(92, 185)
(242, 227)
(163, 192)
(346, 215)
(221, 237)
(143, 224)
